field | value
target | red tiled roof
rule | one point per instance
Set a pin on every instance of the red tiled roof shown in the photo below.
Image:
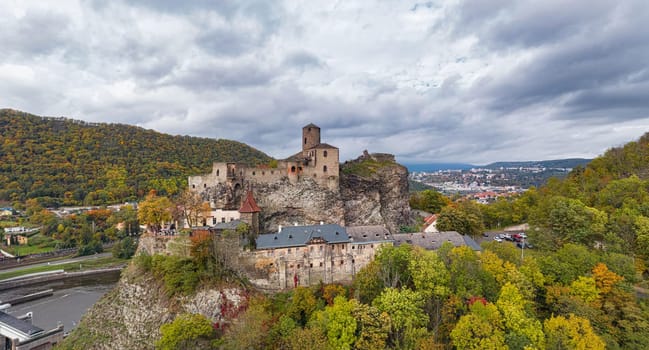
(249, 205)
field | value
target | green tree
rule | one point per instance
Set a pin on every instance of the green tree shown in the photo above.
(522, 330)
(571, 333)
(429, 200)
(405, 308)
(338, 323)
(187, 331)
(481, 328)
(373, 327)
(464, 217)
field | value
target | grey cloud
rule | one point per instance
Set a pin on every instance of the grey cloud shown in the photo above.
(37, 33)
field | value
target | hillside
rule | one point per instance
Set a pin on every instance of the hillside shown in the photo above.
(60, 161)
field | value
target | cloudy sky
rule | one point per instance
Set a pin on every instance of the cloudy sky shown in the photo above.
(440, 81)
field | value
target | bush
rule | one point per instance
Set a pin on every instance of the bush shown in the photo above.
(180, 275)
(125, 248)
(90, 248)
(187, 331)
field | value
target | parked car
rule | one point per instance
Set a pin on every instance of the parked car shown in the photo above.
(524, 245)
(522, 234)
(485, 234)
(498, 239)
(507, 236)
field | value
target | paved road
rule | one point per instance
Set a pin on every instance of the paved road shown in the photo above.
(60, 262)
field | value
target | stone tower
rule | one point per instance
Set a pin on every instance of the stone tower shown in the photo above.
(310, 136)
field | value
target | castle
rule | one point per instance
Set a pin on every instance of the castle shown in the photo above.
(316, 160)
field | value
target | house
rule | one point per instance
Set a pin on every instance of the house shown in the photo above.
(6, 211)
(430, 223)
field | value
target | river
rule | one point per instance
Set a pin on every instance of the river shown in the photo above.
(71, 300)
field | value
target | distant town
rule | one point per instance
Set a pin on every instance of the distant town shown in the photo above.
(485, 184)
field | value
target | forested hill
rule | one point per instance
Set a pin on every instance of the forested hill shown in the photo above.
(558, 163)
(67, 162)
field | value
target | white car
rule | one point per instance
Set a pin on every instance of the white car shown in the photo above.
(498, 239)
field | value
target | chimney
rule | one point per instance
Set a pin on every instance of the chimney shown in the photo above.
(279, 228)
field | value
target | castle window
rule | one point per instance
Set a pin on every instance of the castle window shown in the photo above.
(193, 186)
(324, 154)
(320, 264)
(291, 266)
(324, 168)
(315, 175)
(320, 248)
(253, 173)
(204, 185)
(299, 168)
(222, 219)
(342, 262)
(217, 172)
(298, 266)
(289, 250)
(263, 173)
(213, 221)
(305, 140)
(311, 265)
(272, 172)
(293, 169)
(353, 261)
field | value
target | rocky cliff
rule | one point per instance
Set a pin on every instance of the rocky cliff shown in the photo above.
(374, 189)
(304, 202)
(130, 316)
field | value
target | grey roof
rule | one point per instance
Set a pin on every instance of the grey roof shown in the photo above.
(368, 234)
(295, 236)
(429, 240)
(230, 225)
(20, 325)
(471, 243)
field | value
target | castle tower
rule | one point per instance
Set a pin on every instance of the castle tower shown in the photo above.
(310, 136)
(250, 213)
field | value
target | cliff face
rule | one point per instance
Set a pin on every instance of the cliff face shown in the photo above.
(304, 202)
(374, 189)
(130, 316)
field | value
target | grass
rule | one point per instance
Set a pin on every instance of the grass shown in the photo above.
(365, 168)
(37, 244)
(68, 267)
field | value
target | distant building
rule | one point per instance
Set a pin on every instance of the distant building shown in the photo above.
(7, 211)
(18, 333)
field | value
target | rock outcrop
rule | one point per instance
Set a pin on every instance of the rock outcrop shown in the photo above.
(130, 316)
(374, 189)
(304, 202)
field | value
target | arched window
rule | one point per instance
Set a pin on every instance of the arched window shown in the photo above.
(293, 169)
(324, 154)
(217, 172)
(324, 168)
(305, 140)
(253, 173)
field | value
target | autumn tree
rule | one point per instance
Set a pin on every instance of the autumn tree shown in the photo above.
(154, 211)
(571, 333)
(481, 328)
(193, 208)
